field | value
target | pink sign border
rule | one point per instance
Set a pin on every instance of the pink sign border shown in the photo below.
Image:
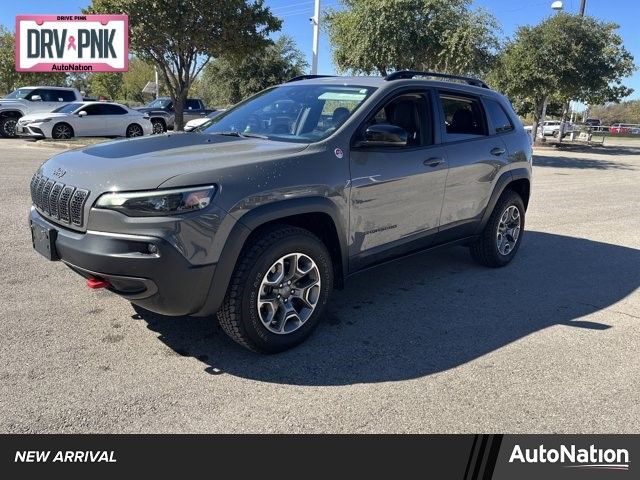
(46, 67)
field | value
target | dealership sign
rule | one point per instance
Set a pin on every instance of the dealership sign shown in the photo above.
(72, 43)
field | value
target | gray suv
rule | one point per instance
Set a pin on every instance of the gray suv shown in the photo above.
(257, 216)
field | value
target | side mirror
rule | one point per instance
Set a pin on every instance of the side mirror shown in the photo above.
(384, 135)
(36, 98)
(82, 113)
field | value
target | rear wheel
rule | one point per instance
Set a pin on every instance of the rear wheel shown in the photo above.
(503, 232)
(134, 130)
(61, 131)
(278, 290)
(8, 126)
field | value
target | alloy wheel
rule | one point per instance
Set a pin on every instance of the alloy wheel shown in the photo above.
(134, 131)
(9, 127)
(508, 230)
(289, 293)
(61, 132)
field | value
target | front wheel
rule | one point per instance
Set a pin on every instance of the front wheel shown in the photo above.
(158, 127)
(61, 131)
(502, 235)
(8, 127)
(278, 290)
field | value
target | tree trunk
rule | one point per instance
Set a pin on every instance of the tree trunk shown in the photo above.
(538, 118)
(565, 110)
(178, 107)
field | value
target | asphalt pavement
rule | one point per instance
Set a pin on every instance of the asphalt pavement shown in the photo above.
(429, 344)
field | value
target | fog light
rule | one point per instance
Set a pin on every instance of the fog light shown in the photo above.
(152, 249)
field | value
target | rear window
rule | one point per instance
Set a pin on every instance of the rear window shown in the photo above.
(463, 117)
(498, 117)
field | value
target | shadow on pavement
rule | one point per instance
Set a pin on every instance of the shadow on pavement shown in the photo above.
(588, 163)
(427, 313)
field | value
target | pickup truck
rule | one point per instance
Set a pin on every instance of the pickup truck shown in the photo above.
(28, 100)
(162, 112)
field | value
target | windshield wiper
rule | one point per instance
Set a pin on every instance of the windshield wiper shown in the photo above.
(234, 133)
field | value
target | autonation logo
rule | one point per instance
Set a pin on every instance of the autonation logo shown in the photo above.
(573, 457)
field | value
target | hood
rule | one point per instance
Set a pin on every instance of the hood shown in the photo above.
(145, 163)
(149, 109)
(37, 116)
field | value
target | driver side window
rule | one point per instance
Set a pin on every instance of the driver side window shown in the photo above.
(409, 111)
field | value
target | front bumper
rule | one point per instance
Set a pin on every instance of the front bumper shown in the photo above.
(31, 130)
(164, 282)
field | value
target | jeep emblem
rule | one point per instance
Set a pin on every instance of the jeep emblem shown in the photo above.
(59, 172)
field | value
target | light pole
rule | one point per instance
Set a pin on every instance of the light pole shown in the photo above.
(557, 6)
(315, 20)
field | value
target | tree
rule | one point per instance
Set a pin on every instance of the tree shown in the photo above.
(566, 57)
(133, 81)
(107, 85)
(442, 35)
(9, 78)
(227, 80)
(625, 112)
(180, 36)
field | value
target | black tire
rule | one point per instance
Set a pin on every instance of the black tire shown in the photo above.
(158, 126)
(62, 131)
(485, 249)
(238, 315)
(134, 130)
(8, 127)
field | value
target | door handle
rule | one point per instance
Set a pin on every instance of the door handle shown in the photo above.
(433, 161)
(497, 151)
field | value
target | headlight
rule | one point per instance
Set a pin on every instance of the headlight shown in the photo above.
(41, 120)
(158, 202)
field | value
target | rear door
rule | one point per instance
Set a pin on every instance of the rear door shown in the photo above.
(116, 120)
(396, 192)
(475, 158)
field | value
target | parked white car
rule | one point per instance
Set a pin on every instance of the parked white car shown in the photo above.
(86, 119)
(198, 122)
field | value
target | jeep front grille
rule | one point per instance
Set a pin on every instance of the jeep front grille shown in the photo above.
(58, 201)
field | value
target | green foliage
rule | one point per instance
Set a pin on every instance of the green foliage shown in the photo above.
(379, 36)
(133, 81)
(108, 85)
(180, 36)
(9, 78)
(229, 79)
(564, 57)
(625, 112)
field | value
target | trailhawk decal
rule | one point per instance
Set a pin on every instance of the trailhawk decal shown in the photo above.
(72, 43)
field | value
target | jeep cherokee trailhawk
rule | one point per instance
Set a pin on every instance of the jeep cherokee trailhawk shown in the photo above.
(259, 214)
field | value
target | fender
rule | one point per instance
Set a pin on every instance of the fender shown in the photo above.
(10, 112)
(251, 221)
(503, 181)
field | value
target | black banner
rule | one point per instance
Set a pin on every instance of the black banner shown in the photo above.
(464, 457)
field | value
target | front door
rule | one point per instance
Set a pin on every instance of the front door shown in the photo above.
(93, 123)
(396, 192)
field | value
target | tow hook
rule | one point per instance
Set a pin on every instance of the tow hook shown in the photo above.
(97, 283)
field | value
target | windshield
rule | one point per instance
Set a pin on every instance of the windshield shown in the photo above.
(69, 108)
(20, 93)
(292, 113)
(159, 103)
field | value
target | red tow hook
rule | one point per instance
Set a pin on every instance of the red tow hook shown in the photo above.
(95, 283)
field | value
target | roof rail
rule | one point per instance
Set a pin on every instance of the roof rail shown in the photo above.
(307, 77)
(416, 73)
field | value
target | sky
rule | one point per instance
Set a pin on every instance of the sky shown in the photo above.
(295, 15)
